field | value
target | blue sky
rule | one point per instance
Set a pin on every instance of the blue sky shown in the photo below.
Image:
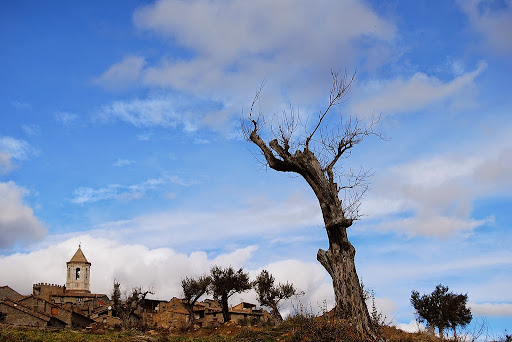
(119, 129)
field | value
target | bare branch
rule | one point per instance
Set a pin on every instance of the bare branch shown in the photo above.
(339, 88)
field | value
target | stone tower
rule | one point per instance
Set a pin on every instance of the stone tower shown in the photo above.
(78, 273)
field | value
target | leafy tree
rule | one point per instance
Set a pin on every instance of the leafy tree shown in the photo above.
(315, 151)
(442, 309)
(225, 282)
(193, 289)
(270, 295)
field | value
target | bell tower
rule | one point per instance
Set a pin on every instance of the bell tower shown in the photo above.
(78, 273)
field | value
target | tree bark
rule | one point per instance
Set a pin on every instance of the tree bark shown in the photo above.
(338, 260)
(276, 314)
(225, 308)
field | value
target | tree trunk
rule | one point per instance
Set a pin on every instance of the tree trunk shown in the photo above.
(276, 314)
(338, 260)
(225, 309)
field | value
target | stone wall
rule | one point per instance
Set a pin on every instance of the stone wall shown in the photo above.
(15, 315)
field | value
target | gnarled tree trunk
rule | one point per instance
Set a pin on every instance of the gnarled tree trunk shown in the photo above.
(314, 157)
(338, 260)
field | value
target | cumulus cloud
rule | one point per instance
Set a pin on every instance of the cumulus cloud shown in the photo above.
(18, 225)
(492, 21)
(411, 327)
(123, 74)
(11, 148)
(419, 91)
(161, 268)
(235, 46)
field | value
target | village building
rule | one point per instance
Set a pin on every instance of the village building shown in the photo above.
(54, 305)
(74, 306)
(16, 314)
(7, 293)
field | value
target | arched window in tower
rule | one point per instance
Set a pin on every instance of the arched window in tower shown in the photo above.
(77, 273)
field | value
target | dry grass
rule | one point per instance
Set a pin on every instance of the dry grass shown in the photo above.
(295, 329)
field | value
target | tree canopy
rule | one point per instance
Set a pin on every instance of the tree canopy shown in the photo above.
(225, 282)
(193, 289)
(442, 309)
(270, 295)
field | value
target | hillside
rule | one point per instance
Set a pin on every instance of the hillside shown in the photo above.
(312, 330)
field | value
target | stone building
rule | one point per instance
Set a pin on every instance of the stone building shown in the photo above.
(78, 273)
(14, 313)
(54, 305)
(7, 293)
(75, 295)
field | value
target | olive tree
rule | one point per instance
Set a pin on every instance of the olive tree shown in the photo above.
(270, 295)
(442, 309)
(127, 306)
(225, 282)
(193, 289)
(317, 155)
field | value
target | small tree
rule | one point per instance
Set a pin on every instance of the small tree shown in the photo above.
(225, 282)
(270, 295)
(193, 289)
(127, 307)
(441, 309)
(116, 296)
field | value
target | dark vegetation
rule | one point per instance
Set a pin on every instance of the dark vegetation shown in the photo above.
(442, 309)
(225, 282)
(269, 294)
(125, 307)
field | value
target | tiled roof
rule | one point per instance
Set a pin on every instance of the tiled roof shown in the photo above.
(79, 256)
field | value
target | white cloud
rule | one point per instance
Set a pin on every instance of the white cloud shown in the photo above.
(411, 327)
(235, 46)
(21, 105)
(492, 21)
(491, 309)
(154, 111)
(31, 129)
(114, 191)
(65, 118)
(123, 74)
(11, 148)
(162, 268)
(434, 196)
(18, 225)
(82, 195)
(420, 91)
(188, 227)
(123, 162)
(227, 31)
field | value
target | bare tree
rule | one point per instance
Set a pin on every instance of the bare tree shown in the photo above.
(270, 295)
(315, 155)
(131, 303)
(193, 289)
